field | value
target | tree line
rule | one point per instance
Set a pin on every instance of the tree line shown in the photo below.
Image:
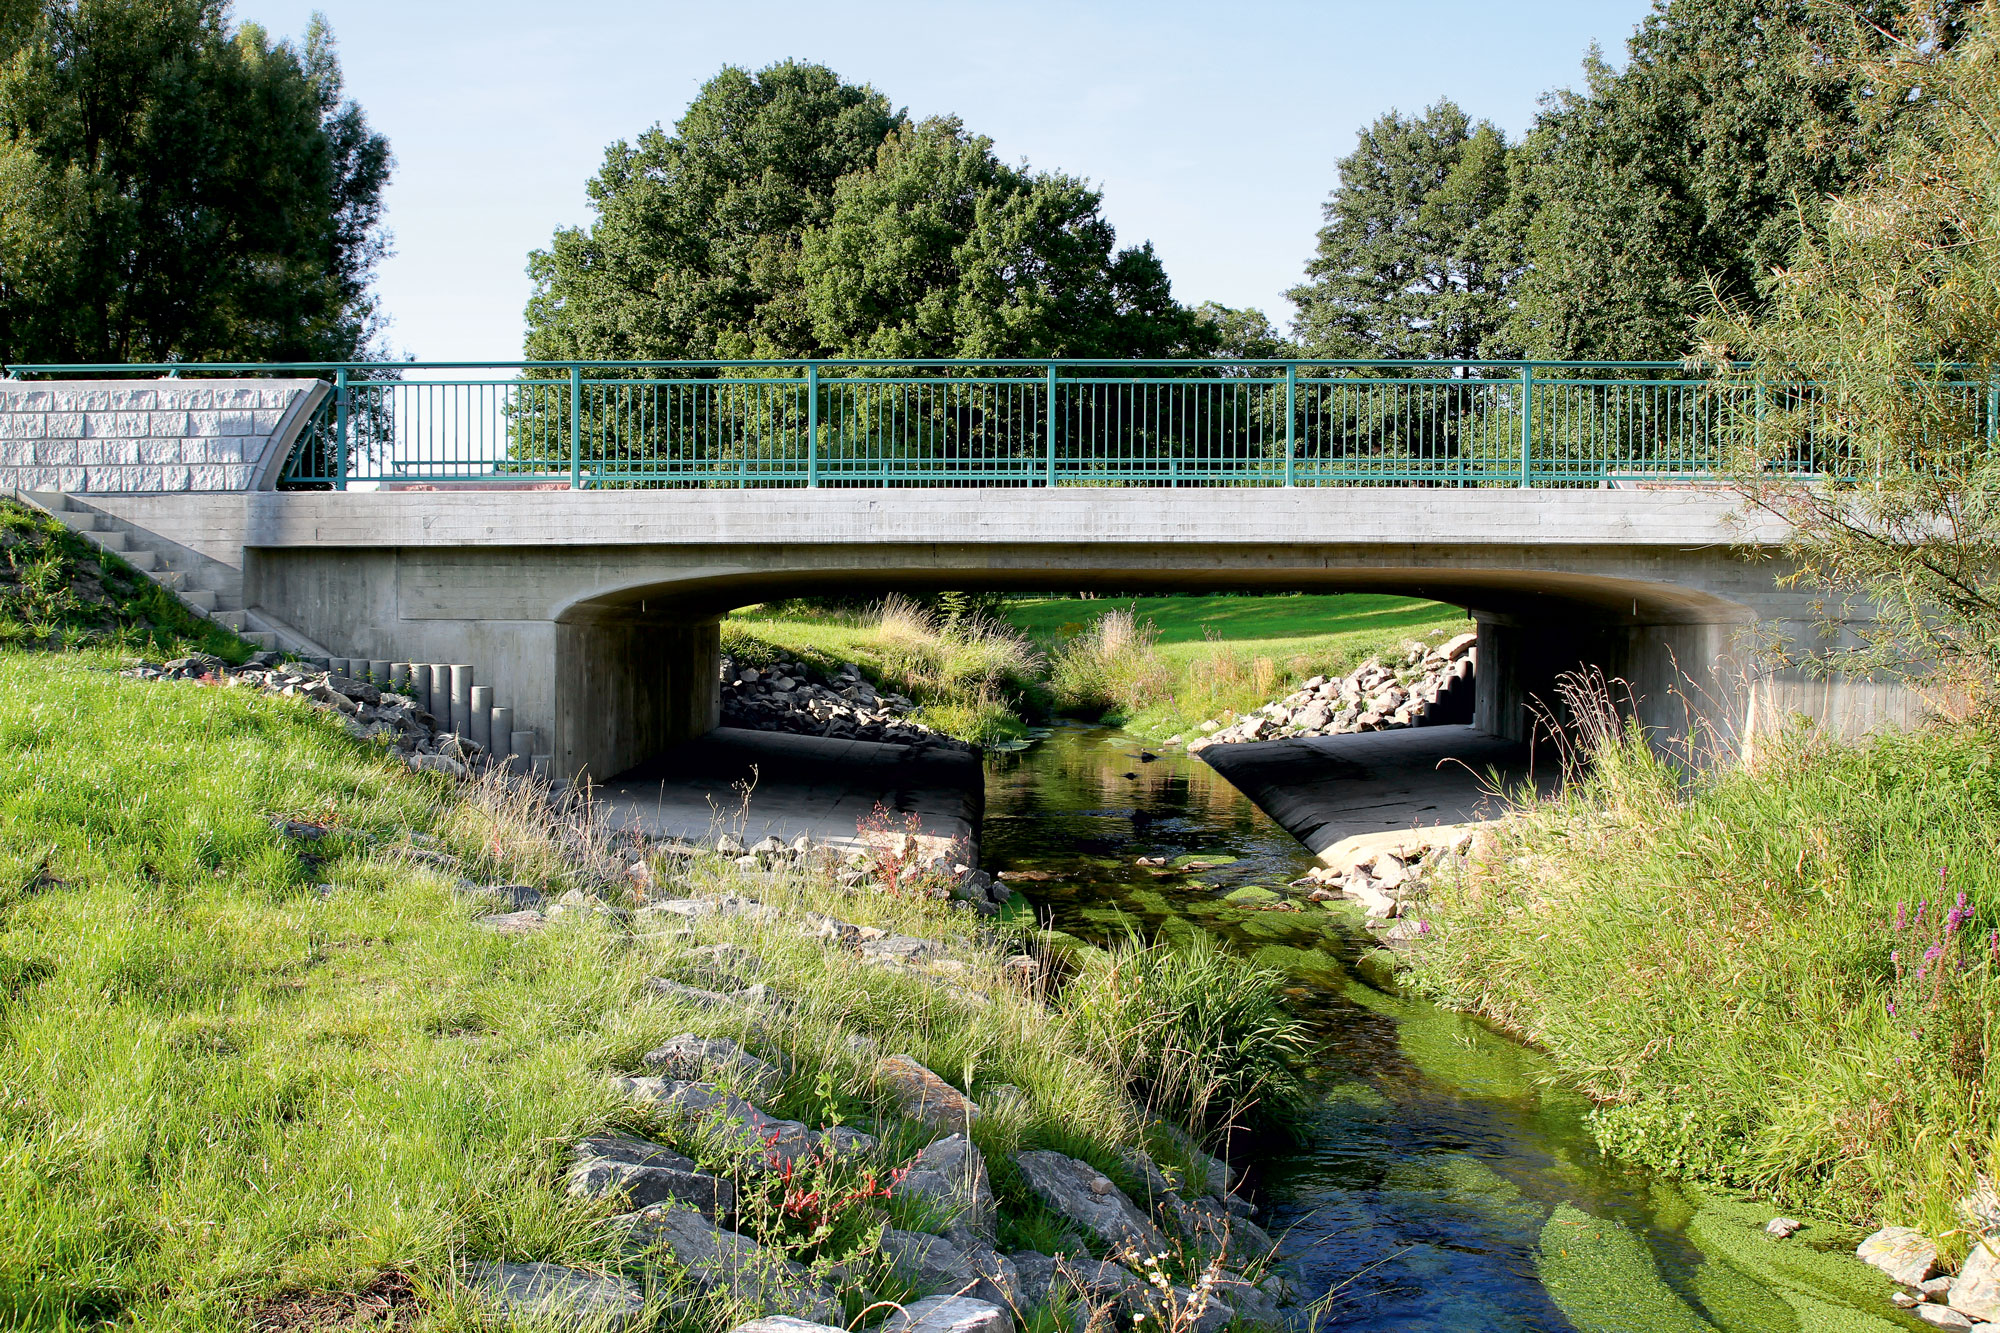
(173, 186)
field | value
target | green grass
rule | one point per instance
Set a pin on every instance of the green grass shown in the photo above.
(233, 1064)
(1712, 963)
(1163, 665)
(57, 590)
(1283, 623)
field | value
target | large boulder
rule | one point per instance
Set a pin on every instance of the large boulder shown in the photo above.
(721, 1262)
(1086, 1196)
(949, 1314)
(1976, 1291)
(1906, 1255)
(643, 1183)
(742, 1126)
(550, 1294)
(688, 1056)
(1214, 1230)
(923, 1096)
(950, 1175)
(934, 1265)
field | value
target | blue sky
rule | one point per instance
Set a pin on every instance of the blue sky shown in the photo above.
(1212, 128)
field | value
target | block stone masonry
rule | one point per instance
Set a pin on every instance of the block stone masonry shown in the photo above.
(150, 436)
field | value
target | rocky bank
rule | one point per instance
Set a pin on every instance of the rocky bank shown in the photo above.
(1427, 686)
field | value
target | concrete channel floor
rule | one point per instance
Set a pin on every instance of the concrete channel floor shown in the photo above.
(754, 784)
(1323, 789)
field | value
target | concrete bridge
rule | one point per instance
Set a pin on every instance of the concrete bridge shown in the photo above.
(595, 611)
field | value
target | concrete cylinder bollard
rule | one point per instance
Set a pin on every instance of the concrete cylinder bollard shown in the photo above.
(520, 744)
(441, 695)
(479, 719)
(501, 727)
(399, 677)
(378, 674)
(461, 699)
(539, 764)
(420, 684)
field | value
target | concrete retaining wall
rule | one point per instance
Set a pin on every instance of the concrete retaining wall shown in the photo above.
(146, 436)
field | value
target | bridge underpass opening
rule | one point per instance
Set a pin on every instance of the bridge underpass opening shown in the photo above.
(641, 663)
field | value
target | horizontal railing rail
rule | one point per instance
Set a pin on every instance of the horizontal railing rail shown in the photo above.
(1016, 422)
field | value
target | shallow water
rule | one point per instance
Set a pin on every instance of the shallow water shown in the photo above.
(1441, 1184)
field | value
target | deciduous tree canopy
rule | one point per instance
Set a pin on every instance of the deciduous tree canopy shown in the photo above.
(941, 249)
(1418, 252)
(171, 189)
(791, 214)
(1731, 121)
(695, 250)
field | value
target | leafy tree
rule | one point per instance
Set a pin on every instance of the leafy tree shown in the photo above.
(695, 249)
(1731, 120)
(1885, 309)
(940, 249)
(173, 190)
(1245, 334)
(1418, 254)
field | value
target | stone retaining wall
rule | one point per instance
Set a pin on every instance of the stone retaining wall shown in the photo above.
(145, 436)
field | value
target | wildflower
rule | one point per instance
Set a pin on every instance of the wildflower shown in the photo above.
(1899, 914)
(1892, 1008)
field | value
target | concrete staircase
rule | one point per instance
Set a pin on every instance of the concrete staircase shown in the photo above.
(206, 587)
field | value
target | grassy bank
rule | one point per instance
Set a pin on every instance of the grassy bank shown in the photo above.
(57, 590)
(238, 1062)
(1154, 664)
(1720, 966)
(970, 679)
(1161, 665)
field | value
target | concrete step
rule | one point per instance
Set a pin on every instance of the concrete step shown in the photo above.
(263, 638)
(201, 599)
(230, 620)
(173, 580)
(146, 562)
(112, 540)
(76, 521)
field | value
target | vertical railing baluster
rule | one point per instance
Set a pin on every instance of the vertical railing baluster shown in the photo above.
(812, 423)
(1050, 424)
(1291, 422)
(340, 429)
(575, 426)
(1527, 422)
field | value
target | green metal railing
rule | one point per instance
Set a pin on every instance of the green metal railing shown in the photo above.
(1067, 422)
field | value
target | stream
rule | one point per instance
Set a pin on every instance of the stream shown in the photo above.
(1441, 1183)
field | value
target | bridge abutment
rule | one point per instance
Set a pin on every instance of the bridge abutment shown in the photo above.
(628, 688)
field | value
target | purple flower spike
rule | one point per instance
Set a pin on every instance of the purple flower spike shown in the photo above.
(1899, 914)
(1892, 1008)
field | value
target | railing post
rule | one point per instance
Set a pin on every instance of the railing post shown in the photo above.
(1291, 420)
(1049, 424)
(1527, 422)
(812, 423)
(340, 429)
(575, 427)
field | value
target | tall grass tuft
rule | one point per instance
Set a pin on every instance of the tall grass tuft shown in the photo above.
(1112, 667)
(1197, 1034)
